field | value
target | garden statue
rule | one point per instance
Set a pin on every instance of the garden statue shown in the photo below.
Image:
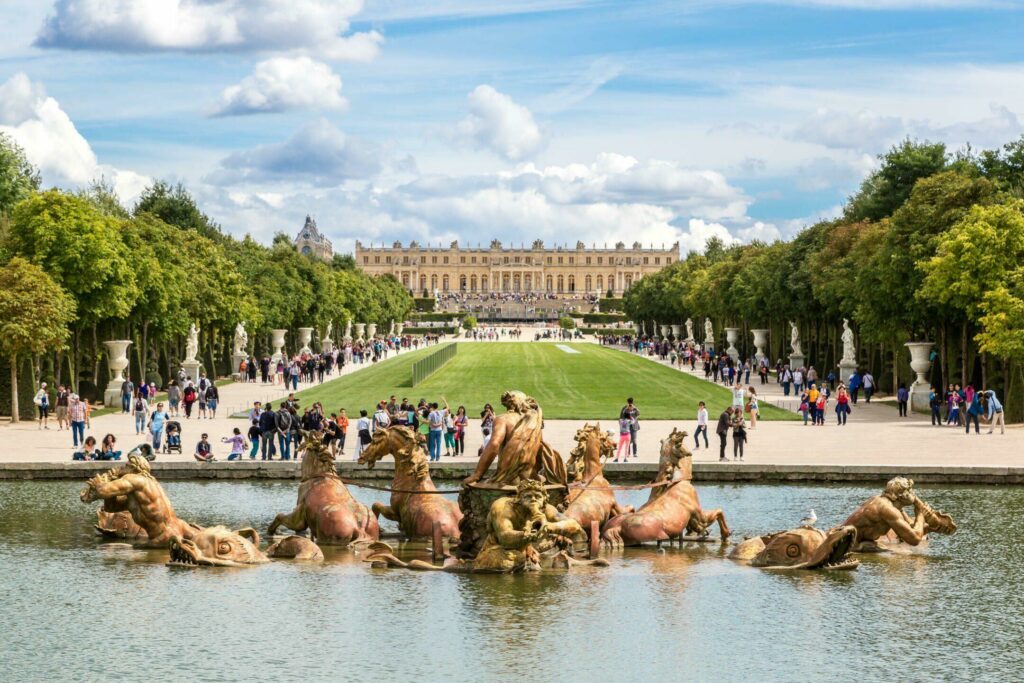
(217, 546)
(414, 512)
(524, 533)
(348, 330)
(192, 343)
(794, 338)
(119, 525)
(327, 332)
(802, 548)
(709, 332)
(325, 506)
(241, 339)
(689, 329)
(849, 349)
(672, 508)
(134, 489)
(590, 496)
(519, 446)
(882, 524)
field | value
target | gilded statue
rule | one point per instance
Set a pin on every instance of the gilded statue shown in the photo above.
(414, 512)
(805, 547)
(519, 446)
(882, 524)
(134, 489)
(590, 496)
(218, 546)
(524, 533)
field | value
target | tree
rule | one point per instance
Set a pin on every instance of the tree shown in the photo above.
(567, 323)
(886, 189)
(18, 177)
(343, 262)
(175, 206)
(34, 315)
(469, 322)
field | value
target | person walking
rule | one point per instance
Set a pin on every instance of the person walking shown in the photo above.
(633, 413)
(268, 428)
(283, 423)
(821, 405)
(156, 425)
(854, 386)
(173, 398)
(623, 449)
(995, 412)
(77, 415)
(188, 398)
(786, 378)
(702, 426)
(140, 409)
(212, 399)
(842, 405)
(869, 386)
(62, 408)
(902, 396)
(127, 391)
(42, 401)
(722, 429)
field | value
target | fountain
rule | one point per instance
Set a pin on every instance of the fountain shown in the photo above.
(117, 363)
(920, 363)
(305, 336)
(277, 341)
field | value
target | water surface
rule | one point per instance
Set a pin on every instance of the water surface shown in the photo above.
(75, 607)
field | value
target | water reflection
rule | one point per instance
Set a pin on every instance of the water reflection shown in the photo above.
(108, 610)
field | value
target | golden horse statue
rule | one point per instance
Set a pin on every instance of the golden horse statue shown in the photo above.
(590, 496)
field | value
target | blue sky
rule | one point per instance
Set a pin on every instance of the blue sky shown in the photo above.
(558, 119)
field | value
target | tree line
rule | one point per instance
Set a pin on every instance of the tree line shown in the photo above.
(80, 269)
(930, 248)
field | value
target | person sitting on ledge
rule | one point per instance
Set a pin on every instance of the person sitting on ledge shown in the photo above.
(204, 452)
(88, 451)
(108, 450)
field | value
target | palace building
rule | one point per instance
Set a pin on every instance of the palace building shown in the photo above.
(538, 269)
(311, 242)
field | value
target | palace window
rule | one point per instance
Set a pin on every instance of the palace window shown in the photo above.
(376, 259)
(387, 259)
(570, 259)
(483, 259)
(506, 259)
(572, 282)
(668, 259)
(446, 263)
(588, 263)
(657, 260)
(462, 259)
(645, 260)
(472, 259)
(559, 261)
(366, 259)
(549, 263)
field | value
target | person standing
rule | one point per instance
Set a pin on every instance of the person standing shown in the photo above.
(935, 403)
(268, 428)
(62, 408)
(436, 421)
(995, 412)
(212, 399)
(283, 424)
(854, 386)
(173, 398)
(140, 409)
(842, 405)
(254, 437)
(623, 449)
(76, 413)
(722, 429)
(739, 435)
(363, 436)
(633, 413)
(973, 413)
(156, 425)
(869, 386)
(902, 396)
(486, 424)
(702, 426)
(42, 401)
(461, 423)
(342, 430)
(127, 391)
(752, 407)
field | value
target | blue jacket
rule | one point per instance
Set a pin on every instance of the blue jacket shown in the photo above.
(854, 382)
(993, 404)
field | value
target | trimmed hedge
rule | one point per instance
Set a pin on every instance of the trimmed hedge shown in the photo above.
(600, 318)
(423, 304)
(615, 331)
(448, 329)
(608, 304)
(431, 317)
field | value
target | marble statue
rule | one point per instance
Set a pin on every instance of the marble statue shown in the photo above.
(241, 339)
(348, 330)
(709, 331)
(794, 339)
(849, 349)
(330, 328)
(689, 329)
(192, 344)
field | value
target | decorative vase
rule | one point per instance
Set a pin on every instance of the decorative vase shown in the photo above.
(760, 340)
(371, 330)
(921, 364)
(360, 329)
(677, 332)
(305, 336)
(277, 341)
(731, 334)
(117, 362)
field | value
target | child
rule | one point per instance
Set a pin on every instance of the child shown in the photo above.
(624, 424)
(204, 451)
(237, 442)
(804, 405)
(254, 437)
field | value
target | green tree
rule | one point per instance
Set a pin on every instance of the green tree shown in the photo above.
(566, 323)
(34, 316)
(469, 322)
(886, 189)
(18, 177)
(175, 206)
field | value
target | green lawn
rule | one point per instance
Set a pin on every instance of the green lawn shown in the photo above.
(591, 384)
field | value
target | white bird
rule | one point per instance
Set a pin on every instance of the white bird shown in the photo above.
(810, 519)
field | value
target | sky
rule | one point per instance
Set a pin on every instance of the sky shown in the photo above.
(469, 120)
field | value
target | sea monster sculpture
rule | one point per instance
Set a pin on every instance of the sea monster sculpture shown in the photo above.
(802, 548)
(414, 512)
(325, 506)
(525, 533)
(590, 496)
(672, 509)
(218, 546)
(882, 524)
(134, 489)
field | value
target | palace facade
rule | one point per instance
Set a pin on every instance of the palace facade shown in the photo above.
(538, 269)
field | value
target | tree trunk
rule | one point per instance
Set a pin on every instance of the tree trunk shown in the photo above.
(211, 372)
(15, 417)
(76, 355)
(57, 367)
(963, 354)
(943, 356)
(95, 357)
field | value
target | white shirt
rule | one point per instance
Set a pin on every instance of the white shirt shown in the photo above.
(363, 423)
(737, 397)
(702, 417)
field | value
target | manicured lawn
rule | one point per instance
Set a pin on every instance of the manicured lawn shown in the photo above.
(590, 384)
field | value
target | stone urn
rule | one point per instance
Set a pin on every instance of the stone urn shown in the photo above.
(360, 329)
(277, 342)
(921, 364)
(677, 332)
(305, 336)
(371, 330)
(636, 328)
(398, 328)
(760, 341)
(731, 334)
(117, 363)
(665, 329)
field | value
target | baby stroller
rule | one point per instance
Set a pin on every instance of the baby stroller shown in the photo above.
(173, 443)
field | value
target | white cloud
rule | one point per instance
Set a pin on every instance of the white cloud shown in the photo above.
(209, 25)
(498, 123)
(850, 130)
(281, 84)
(53, 144)
(318, 154)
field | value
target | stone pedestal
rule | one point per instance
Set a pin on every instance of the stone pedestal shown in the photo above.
(371, 330)
(731, 334)
(277, 341)
(846, 370)
(677, 332)
(327, 345)
(305, 336)
(921, 364)
(117, 363)
(760, 340)
(360, 330)
(664, 330)
(191, 367)
(796, 360)
(236, 362)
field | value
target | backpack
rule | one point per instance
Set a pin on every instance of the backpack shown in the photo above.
(138, 405)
